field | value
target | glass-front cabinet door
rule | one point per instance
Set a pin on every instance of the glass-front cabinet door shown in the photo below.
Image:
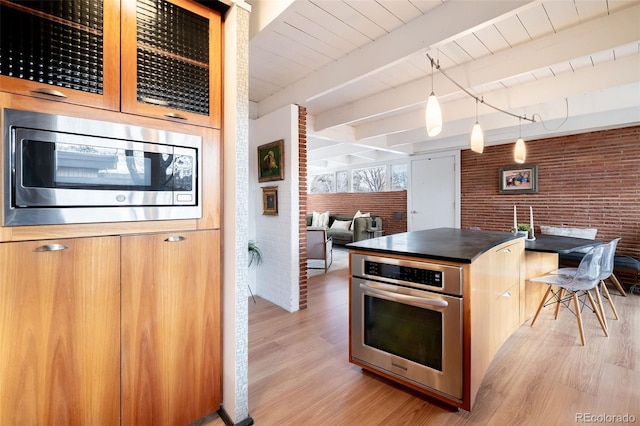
(171, 60)
(61, 50)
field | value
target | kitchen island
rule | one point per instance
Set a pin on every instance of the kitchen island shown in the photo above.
(429, 309)
(448, 244)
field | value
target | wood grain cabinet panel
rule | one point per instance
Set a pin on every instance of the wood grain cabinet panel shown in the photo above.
(171, 339)
(506, 290)
(158, 58)
(172, 61)
(494, 308)
(70, 52)
(59, 332)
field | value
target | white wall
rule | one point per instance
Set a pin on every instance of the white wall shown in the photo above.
(277, 279)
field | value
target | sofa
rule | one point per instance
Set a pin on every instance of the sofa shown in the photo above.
(348, 234)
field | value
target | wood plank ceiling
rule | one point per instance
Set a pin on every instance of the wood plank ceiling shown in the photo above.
(361, 69)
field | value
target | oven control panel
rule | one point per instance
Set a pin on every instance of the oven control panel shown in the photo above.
(403, 273)
(425, 275)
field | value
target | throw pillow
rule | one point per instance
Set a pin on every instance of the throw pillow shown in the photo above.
(320, 220)
(357, 215)
(315, 221)
(324, 219)
(341, 224)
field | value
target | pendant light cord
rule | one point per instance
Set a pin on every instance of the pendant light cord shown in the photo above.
(481, 100)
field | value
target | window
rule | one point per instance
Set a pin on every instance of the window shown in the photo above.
(398, 177)
(372, 179)
(342, 181)
(321, 184)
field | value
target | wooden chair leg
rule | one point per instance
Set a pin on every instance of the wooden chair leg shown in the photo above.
(601, 307)
(615, 282)
(608, 296)
(544, 298)
(598, 311)
(560, 296)
(579, 317)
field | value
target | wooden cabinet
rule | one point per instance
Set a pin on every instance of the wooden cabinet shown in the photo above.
(92, 329)
(505, 288)
(171, 61)
(66, 51)
(169, 51)
(171, 338)
(59, 332)
(494, 308)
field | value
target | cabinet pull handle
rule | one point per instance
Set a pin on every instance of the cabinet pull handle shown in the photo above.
(51, 247)
(50, 92)
(506, 250)
(154, 101)
(175, 239)
(176, 115)
(506, 294)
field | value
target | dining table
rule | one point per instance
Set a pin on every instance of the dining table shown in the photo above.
(558, 244)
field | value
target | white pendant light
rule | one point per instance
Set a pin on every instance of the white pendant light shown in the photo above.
(477, 137)
(520, 150)
(433, 114)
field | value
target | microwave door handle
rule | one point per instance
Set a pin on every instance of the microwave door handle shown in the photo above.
(412, 300)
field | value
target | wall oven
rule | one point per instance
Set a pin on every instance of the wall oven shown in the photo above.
(406, 321)
(60, 170)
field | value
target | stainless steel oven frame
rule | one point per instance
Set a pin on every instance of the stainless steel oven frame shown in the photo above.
(448, 381)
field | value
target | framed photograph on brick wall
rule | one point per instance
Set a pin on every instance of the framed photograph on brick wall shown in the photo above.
(519, 179)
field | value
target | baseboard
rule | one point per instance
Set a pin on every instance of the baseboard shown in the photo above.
(227, 420)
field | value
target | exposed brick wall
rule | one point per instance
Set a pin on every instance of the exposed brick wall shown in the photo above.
(383, 204)
(302, 218)
(585, 180)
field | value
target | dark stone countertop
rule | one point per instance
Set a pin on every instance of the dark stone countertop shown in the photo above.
(450, 244)
(558, 244)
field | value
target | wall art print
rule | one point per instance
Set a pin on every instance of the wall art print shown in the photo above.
(519, 179)
(271, 161)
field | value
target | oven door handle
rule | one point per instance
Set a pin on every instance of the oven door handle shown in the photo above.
(412, 300)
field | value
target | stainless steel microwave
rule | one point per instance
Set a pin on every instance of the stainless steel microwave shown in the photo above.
(61, 170)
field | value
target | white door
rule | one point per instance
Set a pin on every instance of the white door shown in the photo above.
(433, 193)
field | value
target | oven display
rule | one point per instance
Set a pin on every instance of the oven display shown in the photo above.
(403, 330)
(403, 273)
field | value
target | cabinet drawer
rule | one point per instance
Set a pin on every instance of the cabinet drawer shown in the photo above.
(505, 270)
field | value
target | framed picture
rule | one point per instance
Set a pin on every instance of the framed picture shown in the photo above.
(271, 161)
(519, 179)
(270, 200)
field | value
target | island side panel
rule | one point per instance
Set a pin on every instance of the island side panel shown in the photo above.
(494, 308)
(535, 265)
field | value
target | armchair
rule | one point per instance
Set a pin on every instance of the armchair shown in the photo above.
(319, 247)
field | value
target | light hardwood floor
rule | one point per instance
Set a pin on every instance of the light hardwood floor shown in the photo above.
(299, 372)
